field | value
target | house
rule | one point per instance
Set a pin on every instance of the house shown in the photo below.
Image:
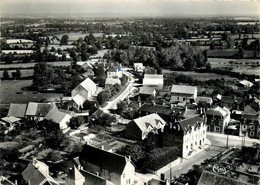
(74, 177)
(203, 99)
(86, 89)
(149, 70)
(153, 80)
(138, 67)
(85, 65)
(113, 167)
(37, 173)
(17, 110)
(9, 123)
(189, 134)
(60, 118)
(37, 111)
(147, 93)
(140, 128)
(76, 103)
(230, 102)
(183, 93)
(93, 179)
(245, 84)
(217, 119)
(114, 71)
(252, 106)
(112, 81)
(165, 112)
(88, 73)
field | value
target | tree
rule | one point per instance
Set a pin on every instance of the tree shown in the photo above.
(106, 119)
(208, 67)
(87, 105)
(75, 122)
(135, 151)
(63, 57)
(54, 156)
(5, 75)
(103, 96)
(241, 53)
(121, 107)
(9, 58)
(64, 40)
(18, 73)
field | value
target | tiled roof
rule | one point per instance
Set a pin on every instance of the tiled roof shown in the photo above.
(193, 121)
(152, 119)
(39, 109)
(56, 116)
(112, 81)
(218, 111)
(113, 163)
(92, 179)
(246, 83)
(88, 84)
(153, 79)
(36, 175)
(17, 110)
(78, 99)
(159, 109)
(74, 174)
(10, 119)
(183, 89)
(146, 90)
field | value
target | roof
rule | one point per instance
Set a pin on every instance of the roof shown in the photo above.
(111, 162)
(112, 68)
(204, 99)
(17, 110)
(150, 120)
(218, 111)
(10, 119)
(159, 109)
(183, 89)
(56, 116)
(210, 178)
(87, 84)
(74, 174)
(254, 103)
(89, 72)
(230, 99)
(112, 81)
(78, 99)
(193, 121)
(146, 90)
(153, 79)
(157, 182)
(246, 83)
(92, 179)
(5, 181)
(36, 175)
(39, 109)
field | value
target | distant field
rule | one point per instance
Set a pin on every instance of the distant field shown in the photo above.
(199, 76)
(77, 35)
(9, 89)
(24, 73)
(246, 66)
(229, 53)
(29, 65)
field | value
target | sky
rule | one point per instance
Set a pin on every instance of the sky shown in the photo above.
(132, 7)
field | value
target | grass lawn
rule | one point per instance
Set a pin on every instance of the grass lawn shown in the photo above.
(9, 89)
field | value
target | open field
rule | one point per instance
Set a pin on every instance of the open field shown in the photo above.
(30, 65)
(24, 73)
(245, 66)
(229, 53)
(9, 89)
(199, 76)
(77, 35)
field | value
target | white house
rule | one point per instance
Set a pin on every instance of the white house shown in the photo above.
(74, 177)
(86, 89)
(138, 67)
(182, 93)
(114, 72)
(153, 80)
(76, 102)
(140, 128)
(60, 118)
(113, 167)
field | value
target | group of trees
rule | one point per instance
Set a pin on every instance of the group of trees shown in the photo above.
(174, 57)
(15, 75)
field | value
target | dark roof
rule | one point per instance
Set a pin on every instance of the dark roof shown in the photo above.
(156, 182)
(159, 109)
(17, 110)
(230, 99)
(106, 160)
(253, 103)
(92, 179)
(186, 123)
(209, 178)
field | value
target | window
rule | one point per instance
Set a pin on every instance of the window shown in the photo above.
(187, 147)
(252, 127)
(217, 129)
(252, 133)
